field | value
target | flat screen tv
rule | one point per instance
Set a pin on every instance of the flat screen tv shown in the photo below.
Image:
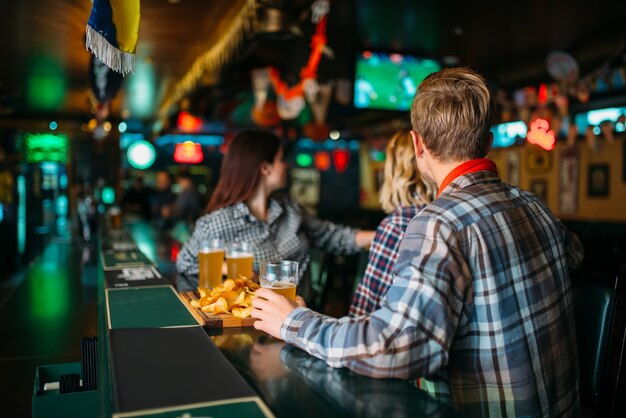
(596, 117)
(389, 81)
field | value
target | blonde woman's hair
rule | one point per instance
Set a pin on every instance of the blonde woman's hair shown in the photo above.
(403, 184)
(452, 111)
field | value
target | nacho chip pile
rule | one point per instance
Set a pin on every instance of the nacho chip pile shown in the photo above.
(231, 297)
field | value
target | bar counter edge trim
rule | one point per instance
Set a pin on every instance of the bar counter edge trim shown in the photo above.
(256, 399)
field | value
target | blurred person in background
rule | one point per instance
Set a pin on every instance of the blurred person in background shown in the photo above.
(243, 207)
(163, 201)
(136, 199)
(188, 204)
(403, 194)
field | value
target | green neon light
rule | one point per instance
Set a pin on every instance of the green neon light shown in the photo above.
(61, 205)
(50, 293)
(142, 88)
(141, 155)
(21, 214)
(378, 156)
(304, 160)
(39, 148)
(45, 83)
(108, 195)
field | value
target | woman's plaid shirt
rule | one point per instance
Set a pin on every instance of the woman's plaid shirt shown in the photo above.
(381, 260)
(288, 234)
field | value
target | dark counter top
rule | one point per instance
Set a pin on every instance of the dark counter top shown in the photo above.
(287, 379)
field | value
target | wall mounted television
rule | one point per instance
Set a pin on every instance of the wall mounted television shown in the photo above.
(597, 116)
(389, 81)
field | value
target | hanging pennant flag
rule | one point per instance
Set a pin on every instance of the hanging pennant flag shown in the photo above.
(290, 99)
(112, 33)
(290, 108)
(319, 107)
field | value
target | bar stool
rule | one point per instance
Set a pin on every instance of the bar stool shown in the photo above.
(600, 308)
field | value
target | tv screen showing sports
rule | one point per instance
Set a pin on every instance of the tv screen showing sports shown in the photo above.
(389, 81)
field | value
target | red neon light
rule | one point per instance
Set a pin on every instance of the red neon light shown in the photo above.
(188, 153)
(396, 58)
(188, 123)
(174, 250)
(542, 96)
(341, 158)
(540, 135)
(322, 160)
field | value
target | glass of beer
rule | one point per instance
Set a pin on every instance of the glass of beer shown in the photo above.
(239, 258)
(282, 277)
(116, 217)
(210, 260)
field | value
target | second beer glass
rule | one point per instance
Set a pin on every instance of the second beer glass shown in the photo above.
(239, 258)
(210, 260)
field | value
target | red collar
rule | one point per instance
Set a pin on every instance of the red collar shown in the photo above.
(471, 166)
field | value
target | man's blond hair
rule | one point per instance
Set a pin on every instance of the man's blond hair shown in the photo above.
(452, 112)
(403, 185)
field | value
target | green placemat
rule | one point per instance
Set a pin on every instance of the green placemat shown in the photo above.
(147, 307)
(119, 259)
(244, 407)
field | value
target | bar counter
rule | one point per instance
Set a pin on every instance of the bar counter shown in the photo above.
(145, 366)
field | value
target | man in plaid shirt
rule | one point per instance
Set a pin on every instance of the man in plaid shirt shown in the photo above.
(480, 307)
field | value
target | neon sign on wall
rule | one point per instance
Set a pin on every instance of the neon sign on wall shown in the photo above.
(541, 135)
(188, 152)
(45, 147)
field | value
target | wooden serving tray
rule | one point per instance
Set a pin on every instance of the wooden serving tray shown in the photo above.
(213, 321)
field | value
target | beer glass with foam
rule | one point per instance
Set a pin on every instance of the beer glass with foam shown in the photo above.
(116, 217)
(210, 260)
(239, 259)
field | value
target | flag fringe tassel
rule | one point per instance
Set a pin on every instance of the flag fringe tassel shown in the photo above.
(119, 61)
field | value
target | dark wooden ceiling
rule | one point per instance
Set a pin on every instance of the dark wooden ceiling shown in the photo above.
(507, 41)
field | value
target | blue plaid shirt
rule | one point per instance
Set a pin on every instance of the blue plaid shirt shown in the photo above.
(381, 260)
(480, 307)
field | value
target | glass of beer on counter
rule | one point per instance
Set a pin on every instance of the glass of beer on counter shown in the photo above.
(239, 258)
(210, 260)
(281, 277)
(116, 217)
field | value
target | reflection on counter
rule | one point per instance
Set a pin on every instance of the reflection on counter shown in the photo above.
(362, 397)
(293, 382)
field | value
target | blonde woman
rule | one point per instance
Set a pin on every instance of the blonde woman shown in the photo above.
(402, 195)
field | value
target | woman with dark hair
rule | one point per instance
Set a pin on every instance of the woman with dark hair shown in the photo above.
(242, 208)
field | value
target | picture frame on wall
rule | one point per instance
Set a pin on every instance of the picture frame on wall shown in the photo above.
(538, 162)
(540, 188)
(305, 186)
(568, 180)
(598, 180)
